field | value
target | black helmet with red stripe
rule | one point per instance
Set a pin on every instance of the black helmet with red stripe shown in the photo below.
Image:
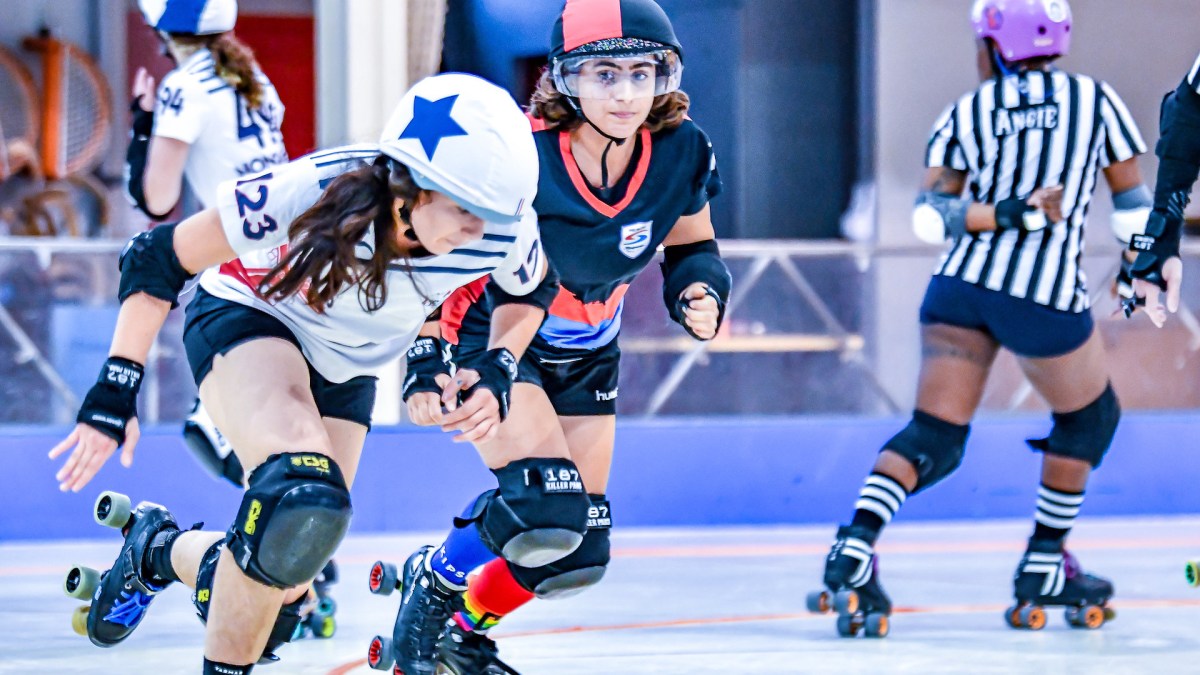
(590, 29)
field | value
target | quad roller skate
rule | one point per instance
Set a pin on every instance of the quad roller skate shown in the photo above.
(119, 597)
(1049, 576)
(852, 588)
(319, 608)
(426, 604)
(464, 652)
(1192, 572)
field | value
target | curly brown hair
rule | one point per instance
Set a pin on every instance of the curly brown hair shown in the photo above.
(321, 257)
(233, 61)
(551, 105)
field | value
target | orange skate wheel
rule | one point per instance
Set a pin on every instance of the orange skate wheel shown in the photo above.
(817, 602)
(1032, 617)
(846, 602)
(1093, 617)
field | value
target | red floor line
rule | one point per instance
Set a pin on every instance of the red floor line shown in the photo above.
(1164, 603)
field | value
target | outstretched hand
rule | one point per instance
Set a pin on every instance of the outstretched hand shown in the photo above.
(92, 449)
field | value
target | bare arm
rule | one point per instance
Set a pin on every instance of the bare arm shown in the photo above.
(162, 182)
(982, 217)
(1124, 175)
(691, 229)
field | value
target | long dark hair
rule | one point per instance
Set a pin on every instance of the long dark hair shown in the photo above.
(551, 105)
(321, 258)
(233, 61)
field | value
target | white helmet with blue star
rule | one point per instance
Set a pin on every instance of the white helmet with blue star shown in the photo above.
(190, 17)
(468, 139)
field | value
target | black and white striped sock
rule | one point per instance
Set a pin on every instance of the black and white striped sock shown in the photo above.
(878, 501)
(1056, 512)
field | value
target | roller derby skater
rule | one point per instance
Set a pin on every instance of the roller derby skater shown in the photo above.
(1009, 279)
(620, 162)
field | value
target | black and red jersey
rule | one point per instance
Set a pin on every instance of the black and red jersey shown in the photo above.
(599, 242)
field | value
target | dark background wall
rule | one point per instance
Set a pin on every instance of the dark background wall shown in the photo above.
(773, 82)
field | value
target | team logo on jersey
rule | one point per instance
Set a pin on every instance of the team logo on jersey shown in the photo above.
(1006, 121)
(635, 238)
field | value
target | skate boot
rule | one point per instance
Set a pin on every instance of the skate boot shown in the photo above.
(426, 605)
(319, 607)
(1049, 576)
(852, 588)
(119, 597)
(464, 652)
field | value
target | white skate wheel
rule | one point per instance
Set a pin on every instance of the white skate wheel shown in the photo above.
(113, 509)
(81, 582)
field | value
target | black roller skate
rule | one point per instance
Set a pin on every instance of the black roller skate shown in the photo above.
(425, 606)
(119, 597)
(465, 652)
(1049, 576)
(852, 587)
(319, 607)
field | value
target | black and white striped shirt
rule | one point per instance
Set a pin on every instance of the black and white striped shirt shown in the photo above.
(1012, 136)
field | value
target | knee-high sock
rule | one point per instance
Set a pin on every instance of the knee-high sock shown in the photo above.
(878, 501)
(491, 596)
(461, 552)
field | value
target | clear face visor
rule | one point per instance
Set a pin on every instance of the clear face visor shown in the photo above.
(620, 76)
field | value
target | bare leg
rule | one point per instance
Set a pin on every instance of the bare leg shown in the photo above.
(955, 363)
(258, 395)
(1068, 383)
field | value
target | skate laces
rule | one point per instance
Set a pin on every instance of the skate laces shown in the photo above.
(129, 610)
(479, 650)
(433, 611)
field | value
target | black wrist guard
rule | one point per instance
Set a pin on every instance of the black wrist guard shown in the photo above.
(1018, 214)
(425, 363)
(149, 265)
(1160, 242)
(686, 264)
(112, 401)
(497, 370)
(135, 158)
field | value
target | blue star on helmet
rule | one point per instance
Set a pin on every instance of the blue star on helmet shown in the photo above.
(431, 122)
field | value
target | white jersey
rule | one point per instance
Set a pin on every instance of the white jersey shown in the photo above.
(347, 341)
(1017, 134)
(228, 139)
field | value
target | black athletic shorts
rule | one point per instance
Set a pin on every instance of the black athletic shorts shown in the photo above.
(1022, 326)
(213, 326)
(577, 381)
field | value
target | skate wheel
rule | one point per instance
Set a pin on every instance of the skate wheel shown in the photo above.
(1090, 617)
(1012, 617)
(326, 607)
(1192, 572)
(79, 620)
(81, 582)
(848, 625)
(845, 602)
(876, 625)
(817, 602)
(384, 578)
(113, 509)
(325, 628)
(379, 653)
(1032, 617)
(1109, 613)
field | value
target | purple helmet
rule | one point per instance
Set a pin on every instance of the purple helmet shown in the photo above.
(1024, 29)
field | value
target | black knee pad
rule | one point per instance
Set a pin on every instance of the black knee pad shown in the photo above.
(285, 623)
(197, 439)
(538, 515)
(293, 516)
(934, 446)
(1085, 434)
(584, 567)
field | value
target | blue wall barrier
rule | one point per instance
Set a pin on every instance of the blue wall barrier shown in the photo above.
(717, 471)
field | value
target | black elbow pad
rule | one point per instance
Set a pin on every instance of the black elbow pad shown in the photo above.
(149, 265)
